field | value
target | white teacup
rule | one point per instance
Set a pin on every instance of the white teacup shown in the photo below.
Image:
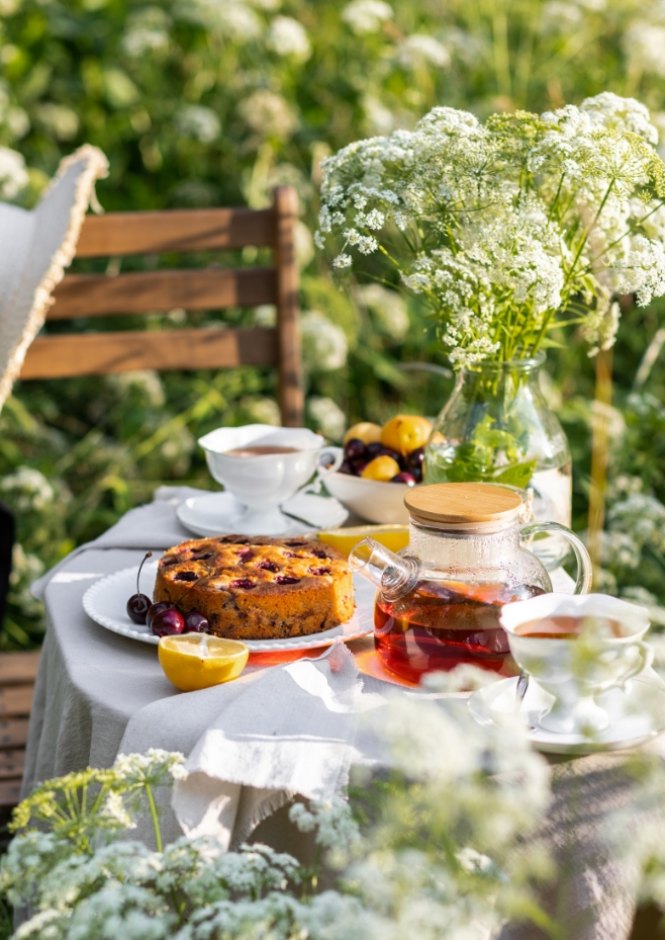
(576, 647)
(262, 466)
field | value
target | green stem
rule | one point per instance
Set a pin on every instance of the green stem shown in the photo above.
(154, 815)
(99, 799)
(557, 194)
(585, 234)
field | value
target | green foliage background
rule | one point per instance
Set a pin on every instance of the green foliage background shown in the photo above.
(202, 102)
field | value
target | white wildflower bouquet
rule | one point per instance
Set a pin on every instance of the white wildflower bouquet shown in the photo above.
(509, 228)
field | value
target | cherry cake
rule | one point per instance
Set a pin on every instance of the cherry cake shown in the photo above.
(252, 588)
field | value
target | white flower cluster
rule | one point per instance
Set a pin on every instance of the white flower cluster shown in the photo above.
(28, 490)
(13, 173)
(439, 848)
(147, 33)
(26, 568)
(512, 227)
(287, 37)
(333, 822)
(268, 114)
(634, 523)
(387, 308)
(198, 123)
(366, 16)
(469, 797)
(155, 767)
(324, 344)
(144, 385)
(328, 418)
(233, 19)
(420, 50)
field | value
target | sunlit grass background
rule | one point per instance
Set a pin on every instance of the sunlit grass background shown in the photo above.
(201, 102)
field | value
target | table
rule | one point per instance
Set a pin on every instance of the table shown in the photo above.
(99, 694)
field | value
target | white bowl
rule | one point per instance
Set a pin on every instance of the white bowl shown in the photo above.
(371, 500)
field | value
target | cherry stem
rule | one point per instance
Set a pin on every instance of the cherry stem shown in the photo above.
(138, 573)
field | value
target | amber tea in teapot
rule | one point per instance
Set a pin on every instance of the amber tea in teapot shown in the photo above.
(438, 603)
(439, 625)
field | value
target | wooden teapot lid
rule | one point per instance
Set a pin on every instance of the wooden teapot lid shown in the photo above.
(461, 503)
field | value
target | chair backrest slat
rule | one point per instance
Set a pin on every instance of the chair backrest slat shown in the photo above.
(93, 295)
(132, 233)
(123, 351)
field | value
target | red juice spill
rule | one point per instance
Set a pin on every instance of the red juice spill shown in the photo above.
(441, 624)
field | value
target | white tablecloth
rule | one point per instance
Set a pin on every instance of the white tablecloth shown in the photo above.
(99, 694)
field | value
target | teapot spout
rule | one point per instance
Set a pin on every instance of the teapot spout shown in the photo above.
(393, 575)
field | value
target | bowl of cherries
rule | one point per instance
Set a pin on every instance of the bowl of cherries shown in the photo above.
(379, 462)
(162, 618)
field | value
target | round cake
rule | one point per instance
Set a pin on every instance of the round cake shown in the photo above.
(252, 588)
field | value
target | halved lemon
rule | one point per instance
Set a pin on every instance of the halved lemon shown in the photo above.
(196, 661)
(395, 537)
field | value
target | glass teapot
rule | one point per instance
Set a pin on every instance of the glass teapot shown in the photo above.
(438, 603)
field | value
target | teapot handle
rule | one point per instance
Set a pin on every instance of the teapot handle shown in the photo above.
(584, 564)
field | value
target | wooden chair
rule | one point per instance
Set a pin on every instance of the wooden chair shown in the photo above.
(211, 288)
(17, 679)
(121, 234)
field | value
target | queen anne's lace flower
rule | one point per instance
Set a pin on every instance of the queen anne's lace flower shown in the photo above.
(13, 173)
(324, 344)
(198, 123)
(328, 417)
(366, 16)
(510, 228)
(422, 50)
(288, 38)
(28, 490)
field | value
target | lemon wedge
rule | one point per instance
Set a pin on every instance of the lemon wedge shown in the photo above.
(196, 661)
(395, 537)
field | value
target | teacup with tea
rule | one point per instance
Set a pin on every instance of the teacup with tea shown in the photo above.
(262, 466)
(577, 647)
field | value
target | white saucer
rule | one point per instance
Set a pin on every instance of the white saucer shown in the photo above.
(637, 714)
(221, 513)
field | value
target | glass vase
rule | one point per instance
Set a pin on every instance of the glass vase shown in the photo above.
(498, 427)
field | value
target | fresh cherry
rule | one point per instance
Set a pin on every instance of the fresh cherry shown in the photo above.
(357, 466)
(354, 449)
(168, 622)
(375, 449)
(196, 622)
(139, 604)
(414, 462)
(155, 609)
(404, 477)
